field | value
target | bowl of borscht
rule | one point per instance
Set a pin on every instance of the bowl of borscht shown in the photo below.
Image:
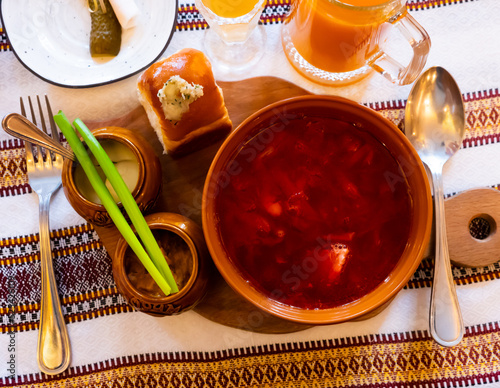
(317, 209)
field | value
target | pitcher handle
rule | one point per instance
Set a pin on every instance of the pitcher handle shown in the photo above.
(420, 42)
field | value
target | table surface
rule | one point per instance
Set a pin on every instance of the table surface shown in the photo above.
(112, 345)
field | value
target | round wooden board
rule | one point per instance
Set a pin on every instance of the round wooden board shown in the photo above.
(183, 181)
(460, 211)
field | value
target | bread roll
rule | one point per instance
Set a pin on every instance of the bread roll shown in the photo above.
(184, 104)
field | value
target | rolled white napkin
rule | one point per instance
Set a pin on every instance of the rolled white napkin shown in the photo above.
(126, 12)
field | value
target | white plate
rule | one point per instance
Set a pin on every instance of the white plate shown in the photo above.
(51, 38)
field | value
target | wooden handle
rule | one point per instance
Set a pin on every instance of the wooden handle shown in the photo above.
(461, 209)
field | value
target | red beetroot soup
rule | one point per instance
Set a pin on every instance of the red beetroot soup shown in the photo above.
(315, 215)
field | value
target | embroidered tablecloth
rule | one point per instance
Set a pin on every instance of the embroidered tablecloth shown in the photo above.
(114, 346)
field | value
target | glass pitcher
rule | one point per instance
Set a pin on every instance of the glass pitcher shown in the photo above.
(337, 42)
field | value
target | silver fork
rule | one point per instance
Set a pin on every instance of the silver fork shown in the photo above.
(95, 6)
(44, 176)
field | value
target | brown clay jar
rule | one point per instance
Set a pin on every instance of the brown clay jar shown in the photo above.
(148, 170)
(183, 244)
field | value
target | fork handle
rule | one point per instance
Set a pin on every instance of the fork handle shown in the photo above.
(53, 341)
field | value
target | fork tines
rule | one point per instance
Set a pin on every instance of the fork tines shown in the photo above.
(95, 6)
(53, 128)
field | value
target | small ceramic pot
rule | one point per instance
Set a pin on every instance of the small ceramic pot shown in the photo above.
(190, 265)
(145, 192)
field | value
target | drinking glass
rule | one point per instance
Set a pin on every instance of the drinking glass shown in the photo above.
(234, 40)
(337, 42)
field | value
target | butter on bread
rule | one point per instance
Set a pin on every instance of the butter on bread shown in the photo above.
(176, 96)
(184, 104)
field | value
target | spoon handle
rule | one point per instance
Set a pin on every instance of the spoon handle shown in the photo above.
(446, 324)
(19, 126)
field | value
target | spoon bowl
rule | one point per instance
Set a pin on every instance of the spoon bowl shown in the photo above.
(435, 125)
(435, 118)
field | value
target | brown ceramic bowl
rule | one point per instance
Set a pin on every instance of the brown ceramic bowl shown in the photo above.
(182, 240)
(148, 184)
(225, 168)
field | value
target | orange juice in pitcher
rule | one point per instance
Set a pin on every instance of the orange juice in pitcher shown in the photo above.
(338, 42)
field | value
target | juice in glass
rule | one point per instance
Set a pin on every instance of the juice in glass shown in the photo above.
(340, 41)
(233, 21)
(230, 8)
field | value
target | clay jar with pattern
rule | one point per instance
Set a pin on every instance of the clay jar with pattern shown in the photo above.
(145, 192)
(192, 272)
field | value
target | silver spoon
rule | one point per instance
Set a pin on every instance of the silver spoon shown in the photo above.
(19, 126)
(435, 125)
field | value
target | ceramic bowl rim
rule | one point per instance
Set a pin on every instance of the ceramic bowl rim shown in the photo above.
(414, 251)
(168, 222)
(114, 135)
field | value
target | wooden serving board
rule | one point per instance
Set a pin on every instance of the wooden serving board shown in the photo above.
(184, 178)
(183, 181)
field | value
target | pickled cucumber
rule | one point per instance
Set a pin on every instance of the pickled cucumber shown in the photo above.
(105, 32)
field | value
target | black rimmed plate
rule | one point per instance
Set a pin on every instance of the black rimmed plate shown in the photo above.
(51, 38)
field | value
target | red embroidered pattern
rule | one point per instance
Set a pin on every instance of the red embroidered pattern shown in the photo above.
(83, 272)
(409, 359)
(80, 247)
(13, 178)
(189, 18)
(482, 116)
(4, 43)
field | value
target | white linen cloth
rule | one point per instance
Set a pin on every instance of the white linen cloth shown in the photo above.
(465, 41)
(126, 12)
